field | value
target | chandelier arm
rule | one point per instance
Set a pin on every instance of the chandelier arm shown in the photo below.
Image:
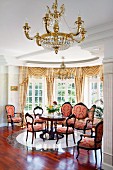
(62, 10)
(79, 41)
(38, 38)
(27, 35)
(26, 28)
(46, 27)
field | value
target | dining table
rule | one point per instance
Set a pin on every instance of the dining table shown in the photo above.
(49, 132)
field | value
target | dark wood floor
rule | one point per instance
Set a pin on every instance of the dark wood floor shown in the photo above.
(12, 158)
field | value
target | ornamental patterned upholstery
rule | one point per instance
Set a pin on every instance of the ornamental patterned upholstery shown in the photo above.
(64, 129)
(38, 120)
(92, 142)
(66, 109)
(80, 111)
(37, 127)
(99, 133)
(13, 117)
(10, 109)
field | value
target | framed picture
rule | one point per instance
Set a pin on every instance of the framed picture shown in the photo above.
(14, 88)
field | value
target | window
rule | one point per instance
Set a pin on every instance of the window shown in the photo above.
(65, 91)
(35, 94)
(95, 89)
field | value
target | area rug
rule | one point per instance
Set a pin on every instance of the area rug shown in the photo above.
(18, 140)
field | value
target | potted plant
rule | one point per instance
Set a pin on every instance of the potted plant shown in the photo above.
(99, 109)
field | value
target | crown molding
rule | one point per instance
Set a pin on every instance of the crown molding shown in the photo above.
(98, 35)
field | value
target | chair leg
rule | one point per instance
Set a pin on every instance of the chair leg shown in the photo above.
(57, 138)
(74, 138)
(35, 135)
(32, 137)
(78, 152)
(26, 136)
(96, 156)
(101, 154)
(66, 139)
(12, 124)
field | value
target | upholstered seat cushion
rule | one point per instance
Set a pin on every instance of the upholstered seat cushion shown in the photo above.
(37, 127)
(88, 143)
(38, 120)
(63, 130)
(15, 119)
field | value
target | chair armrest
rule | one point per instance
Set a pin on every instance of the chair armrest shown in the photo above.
(8, 116)
(18, 113)
(87, 135)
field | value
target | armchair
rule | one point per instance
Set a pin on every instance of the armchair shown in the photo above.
(84, 116)
(90, 142)
(13, 117)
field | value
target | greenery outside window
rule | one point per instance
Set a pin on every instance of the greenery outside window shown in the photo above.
(35, 94)
(65, 91)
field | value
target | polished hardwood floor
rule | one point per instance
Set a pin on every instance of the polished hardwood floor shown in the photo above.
(12, 158)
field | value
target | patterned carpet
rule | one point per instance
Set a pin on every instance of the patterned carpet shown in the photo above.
(18, 140)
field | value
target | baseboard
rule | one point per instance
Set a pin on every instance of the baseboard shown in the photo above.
(106, 166)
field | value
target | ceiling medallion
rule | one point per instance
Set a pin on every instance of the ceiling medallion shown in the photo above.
(54, 39)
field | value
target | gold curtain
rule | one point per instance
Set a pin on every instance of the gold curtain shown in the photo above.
(23, 84)
(79, 84)
(37, 71)
(50, 73)
(50, 86)
(93, 70)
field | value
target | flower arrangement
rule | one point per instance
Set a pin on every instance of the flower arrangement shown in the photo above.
(53, 108)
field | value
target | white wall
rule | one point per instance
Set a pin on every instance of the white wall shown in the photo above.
(3, 92)
(9, 76)
(13, 80)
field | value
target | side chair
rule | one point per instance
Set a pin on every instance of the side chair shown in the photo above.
(38, 111)
(31, 127)
(13, 117)
(66, 130)
(91, 142)
(66, 110)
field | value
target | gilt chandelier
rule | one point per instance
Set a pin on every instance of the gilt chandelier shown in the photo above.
(54, 39)
(62, 72)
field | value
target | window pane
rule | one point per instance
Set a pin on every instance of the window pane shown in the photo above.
(36, 99)
(36, 92)
(40, 92)
(30, 99)
(30, 93)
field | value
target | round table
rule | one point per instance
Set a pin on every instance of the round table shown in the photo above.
(53, 119)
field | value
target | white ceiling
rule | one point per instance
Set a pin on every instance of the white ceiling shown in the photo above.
(15, 49)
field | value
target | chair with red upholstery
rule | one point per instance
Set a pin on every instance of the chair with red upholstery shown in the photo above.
(13, 117)
(66, 110)
(31, 127)
(66, 130)
(38, 111)
(91, 142)
(84, 116)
